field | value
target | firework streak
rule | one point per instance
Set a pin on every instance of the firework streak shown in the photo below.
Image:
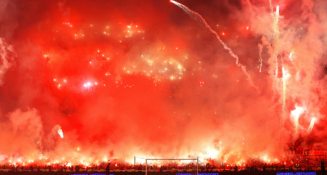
(198, 18)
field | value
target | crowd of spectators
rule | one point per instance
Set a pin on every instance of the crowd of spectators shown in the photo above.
(253, 166)
(295, 161)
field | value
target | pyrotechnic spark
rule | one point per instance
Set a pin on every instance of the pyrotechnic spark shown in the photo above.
(198, 18)
(291, 54)
(271, 7)
(260, 51)
(211, 153)
(276, 30)
(311, 125)
(283, 116)
(286, 75)
(296, 115)
(60, 133)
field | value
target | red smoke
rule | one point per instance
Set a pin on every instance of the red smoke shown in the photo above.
(136, 78)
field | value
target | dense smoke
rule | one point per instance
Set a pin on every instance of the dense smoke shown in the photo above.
(142, 78)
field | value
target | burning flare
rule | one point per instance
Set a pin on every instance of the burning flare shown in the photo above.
(296, 114)
(291, 54)
(312, 123)
(60, 132)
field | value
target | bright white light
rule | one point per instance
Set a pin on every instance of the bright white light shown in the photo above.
(60, 133)
(297, 111)
(285, 74)
(88, 84)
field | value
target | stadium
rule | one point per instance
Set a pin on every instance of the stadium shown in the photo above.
(185, 87)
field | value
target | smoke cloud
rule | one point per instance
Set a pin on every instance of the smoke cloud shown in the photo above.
(142, 78)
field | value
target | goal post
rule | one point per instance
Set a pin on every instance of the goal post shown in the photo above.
(146, 163)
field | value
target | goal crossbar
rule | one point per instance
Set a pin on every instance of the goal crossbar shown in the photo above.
(146, 163)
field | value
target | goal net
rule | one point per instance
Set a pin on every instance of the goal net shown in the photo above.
(150, 161)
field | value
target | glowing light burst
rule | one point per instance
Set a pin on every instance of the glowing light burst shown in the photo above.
(87, 85)
(210, 153)
(291, 54)
(198, 18)
(61, 134)
(296, 115)
(311, 125)
(157, 65)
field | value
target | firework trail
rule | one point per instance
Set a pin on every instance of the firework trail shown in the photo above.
(260, 51)
(61, 134)
(284, 89)
(267, 44)
(271, 7)
(5, 57)
(57, 129)
(296, 114)
(276, 30)
(198, 18)
(311, 125)
(291, 54)
(285, 77)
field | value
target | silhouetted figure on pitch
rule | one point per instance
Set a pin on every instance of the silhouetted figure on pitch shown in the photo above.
(252, 168)
(108, 168)
(246, 167)
(264, 167)
(235, 169)
(322, 168)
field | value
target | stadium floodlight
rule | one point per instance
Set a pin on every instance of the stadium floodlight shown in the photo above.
(146, 163)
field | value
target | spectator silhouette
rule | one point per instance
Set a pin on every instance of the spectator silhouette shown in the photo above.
(108, 168)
